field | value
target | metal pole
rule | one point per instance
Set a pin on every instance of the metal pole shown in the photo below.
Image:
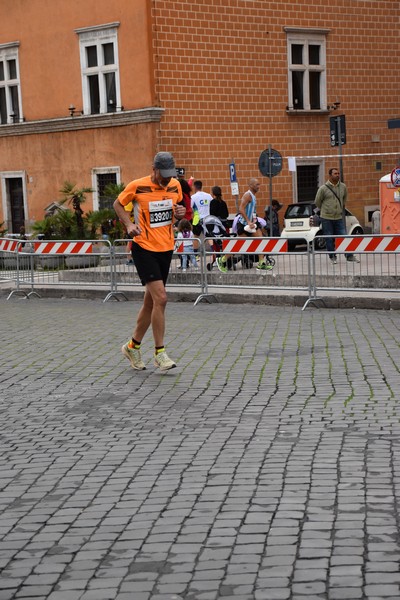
(270, 190)
(339, 131)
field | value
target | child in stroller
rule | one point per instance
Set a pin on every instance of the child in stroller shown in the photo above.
(214, 228)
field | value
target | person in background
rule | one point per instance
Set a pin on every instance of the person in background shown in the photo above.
(271, 213)
(248, 225)
(331, 200)
(218, 206)
(186, 194)
(185, 237)
(200, 203)
(155, 201)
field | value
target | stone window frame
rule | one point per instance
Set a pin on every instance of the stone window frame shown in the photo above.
(98, 36)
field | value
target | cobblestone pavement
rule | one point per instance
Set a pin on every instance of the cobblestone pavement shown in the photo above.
(267, 466)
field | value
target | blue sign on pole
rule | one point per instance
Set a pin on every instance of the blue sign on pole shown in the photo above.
(232, 172)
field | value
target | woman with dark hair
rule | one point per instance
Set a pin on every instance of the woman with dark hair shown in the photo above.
(218, 206)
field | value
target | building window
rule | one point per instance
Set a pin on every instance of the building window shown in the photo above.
(307, 178)
(100, 69)
(101, 178)
(10, 95)
(307, 182)
(306, 70)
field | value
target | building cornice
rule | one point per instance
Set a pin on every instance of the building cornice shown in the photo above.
(152, 114)
(306, 30)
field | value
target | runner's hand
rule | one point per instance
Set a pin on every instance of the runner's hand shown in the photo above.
(133, 230)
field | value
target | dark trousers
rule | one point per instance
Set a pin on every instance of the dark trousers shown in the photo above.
(333, 227)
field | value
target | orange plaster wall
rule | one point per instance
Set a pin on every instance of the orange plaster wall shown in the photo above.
(72, 156)
(46, 31)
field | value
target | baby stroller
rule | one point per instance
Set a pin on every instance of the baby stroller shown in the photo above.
(214, 228)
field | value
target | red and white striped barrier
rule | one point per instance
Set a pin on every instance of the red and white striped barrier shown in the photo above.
(63, 247)
(368, 244)
(254, 245)
(8, 245)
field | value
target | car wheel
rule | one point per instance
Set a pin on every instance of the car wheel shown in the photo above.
(319, 243)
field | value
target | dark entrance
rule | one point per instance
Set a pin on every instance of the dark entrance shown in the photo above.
(15, 195)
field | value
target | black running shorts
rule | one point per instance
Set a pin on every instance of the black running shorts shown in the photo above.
(151, 266)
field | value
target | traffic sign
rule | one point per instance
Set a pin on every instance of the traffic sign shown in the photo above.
(235, 188)
(337, 124)
(232, 172)
(395, 177)
(270, 162)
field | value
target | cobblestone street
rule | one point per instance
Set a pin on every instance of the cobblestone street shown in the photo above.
(265, 467)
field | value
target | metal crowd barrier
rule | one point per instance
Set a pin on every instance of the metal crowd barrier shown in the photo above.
(290, 270)
(124, 273)
(35, 264)
(376, 269)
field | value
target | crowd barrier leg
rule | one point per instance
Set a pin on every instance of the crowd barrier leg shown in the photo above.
(114, 293)
(312, 285)
(18, 291)
(205, 295)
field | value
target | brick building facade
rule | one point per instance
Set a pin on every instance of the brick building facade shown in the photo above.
(102, 86)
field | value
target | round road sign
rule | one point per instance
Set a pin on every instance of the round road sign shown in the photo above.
(270, 162)
(395, 177)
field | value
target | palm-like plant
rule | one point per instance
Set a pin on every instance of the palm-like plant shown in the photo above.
(76, 197)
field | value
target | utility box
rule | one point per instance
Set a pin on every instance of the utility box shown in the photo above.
(389, 200)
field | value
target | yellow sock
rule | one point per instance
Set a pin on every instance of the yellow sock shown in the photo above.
(159, 350)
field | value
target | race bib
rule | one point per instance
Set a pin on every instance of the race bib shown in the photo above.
(160, 213)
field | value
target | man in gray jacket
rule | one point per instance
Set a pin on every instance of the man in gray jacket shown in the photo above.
(331, 200)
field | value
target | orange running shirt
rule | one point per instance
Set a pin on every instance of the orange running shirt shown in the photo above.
(153, 209)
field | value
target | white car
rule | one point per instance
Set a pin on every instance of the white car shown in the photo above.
(301, 225)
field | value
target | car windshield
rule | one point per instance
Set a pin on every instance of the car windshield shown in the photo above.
(298, 210)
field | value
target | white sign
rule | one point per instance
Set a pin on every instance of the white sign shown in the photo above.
(235, 188)
(292, 163)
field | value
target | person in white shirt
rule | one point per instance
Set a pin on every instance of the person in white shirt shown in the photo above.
(200, 202)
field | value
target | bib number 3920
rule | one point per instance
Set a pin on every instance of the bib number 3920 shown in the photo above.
(160, 213)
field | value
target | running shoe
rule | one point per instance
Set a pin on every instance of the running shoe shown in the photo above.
(134, 356)
(262, 266)
(221, 265)
(163, 362)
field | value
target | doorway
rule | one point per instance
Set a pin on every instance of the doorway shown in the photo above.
(13, 192)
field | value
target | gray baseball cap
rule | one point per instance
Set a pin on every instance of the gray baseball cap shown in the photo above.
(165, 163)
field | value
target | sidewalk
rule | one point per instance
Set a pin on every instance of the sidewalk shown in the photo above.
(264, 467)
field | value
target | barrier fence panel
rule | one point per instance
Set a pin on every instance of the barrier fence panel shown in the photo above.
(374, 265)
(286, 271)
(47, 263)
(8, 259)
